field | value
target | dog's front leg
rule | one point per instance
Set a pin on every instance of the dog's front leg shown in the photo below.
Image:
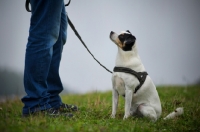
(128, 101)
(115, 97)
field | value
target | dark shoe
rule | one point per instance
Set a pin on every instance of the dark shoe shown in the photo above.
(55, 112)
(49, 112)
(68, 108)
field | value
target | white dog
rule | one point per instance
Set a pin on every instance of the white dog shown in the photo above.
(131, 81)
(141, 97)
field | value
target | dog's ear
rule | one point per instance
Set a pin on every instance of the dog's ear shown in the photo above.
(128, 31)
(129, 42)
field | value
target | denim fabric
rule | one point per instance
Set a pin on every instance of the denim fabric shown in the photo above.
(47, 35)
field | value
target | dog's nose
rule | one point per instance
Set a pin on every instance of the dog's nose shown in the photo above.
(111, 33)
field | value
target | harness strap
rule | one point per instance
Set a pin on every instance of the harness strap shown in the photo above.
(141, 76)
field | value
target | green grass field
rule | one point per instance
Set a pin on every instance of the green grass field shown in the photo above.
(94, 114)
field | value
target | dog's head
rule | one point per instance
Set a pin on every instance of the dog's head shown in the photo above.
(125, 40)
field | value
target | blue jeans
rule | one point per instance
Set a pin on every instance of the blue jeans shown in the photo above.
(47, 35)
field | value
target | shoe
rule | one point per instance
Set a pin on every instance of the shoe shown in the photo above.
(68, 108)
(55, 112)
(49, 112)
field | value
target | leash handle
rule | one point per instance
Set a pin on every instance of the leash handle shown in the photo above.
(68, 3)
(27, 5)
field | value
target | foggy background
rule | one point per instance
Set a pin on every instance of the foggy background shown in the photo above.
(167, 32)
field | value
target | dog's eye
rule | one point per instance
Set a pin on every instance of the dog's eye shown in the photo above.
(121, 38)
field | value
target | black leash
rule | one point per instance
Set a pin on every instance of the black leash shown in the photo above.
(75, 31)
(77, 34)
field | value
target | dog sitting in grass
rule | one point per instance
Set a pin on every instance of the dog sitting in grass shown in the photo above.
(131, 81)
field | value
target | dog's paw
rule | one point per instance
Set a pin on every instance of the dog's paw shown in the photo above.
(125, 117)
(112, 116)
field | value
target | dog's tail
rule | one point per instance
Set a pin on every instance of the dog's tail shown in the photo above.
(179, 111)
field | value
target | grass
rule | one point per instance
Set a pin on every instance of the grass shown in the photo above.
(94, 114)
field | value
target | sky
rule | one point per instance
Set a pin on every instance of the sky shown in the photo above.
(167, 33)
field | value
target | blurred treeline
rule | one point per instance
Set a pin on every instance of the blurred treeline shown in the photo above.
(11, 84)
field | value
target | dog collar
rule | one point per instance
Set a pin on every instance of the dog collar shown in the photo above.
(141, 76)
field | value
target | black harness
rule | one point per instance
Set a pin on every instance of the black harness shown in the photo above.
(141, 76)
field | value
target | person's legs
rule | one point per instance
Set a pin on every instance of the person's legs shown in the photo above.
(43, 34)
(53, 80)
